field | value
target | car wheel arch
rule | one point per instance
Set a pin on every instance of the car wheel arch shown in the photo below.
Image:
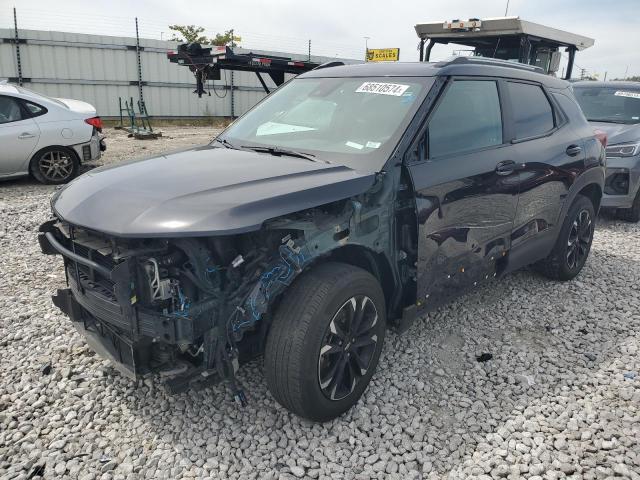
(357, 255)
(593, 192)
(589, 184)
(51, 147)
(377, 264)
(34, 158)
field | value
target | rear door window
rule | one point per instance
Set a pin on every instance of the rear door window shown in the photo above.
(468, 118)
(532, 112)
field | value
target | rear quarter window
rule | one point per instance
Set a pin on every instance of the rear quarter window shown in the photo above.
(532, 112)
(570, 107)
(34, 109)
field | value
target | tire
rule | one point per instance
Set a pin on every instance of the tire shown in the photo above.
(303, 343)
(573, 244)
(630, 214)
(55, 165)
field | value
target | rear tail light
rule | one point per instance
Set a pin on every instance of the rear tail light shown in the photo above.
(602, 137)
(96, 122)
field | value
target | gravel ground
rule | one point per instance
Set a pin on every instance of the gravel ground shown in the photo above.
(560, 397)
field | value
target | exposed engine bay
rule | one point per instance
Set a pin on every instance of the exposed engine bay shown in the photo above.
(192, 309)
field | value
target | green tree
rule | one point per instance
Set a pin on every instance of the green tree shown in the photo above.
(188, 34)
(227, 38)
(193, 34)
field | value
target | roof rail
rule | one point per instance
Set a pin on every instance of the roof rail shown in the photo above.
(489, 61)
(335, 63)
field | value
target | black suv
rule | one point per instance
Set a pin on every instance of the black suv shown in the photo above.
(352, 199)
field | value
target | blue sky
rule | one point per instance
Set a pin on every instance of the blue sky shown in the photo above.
(338, 27)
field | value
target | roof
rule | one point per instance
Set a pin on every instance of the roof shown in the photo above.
(500, 26)
(463, 66)
(612, 84)
(8, 88)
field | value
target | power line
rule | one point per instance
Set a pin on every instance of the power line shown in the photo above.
(155, 28)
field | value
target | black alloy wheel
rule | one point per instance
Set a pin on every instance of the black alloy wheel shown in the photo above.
(573, 243)
(579, 240)
(325, 340)
(348, 347)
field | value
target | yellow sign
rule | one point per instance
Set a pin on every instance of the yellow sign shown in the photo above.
(383, 55)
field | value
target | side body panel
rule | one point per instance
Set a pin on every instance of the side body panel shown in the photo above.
(465, 219)
(18, 140)
(551, 166)
(465, 211)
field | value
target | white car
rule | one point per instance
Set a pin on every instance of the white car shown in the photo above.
(46, 137)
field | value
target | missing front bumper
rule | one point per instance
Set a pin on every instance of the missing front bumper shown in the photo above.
(105, 341)
(131, 358)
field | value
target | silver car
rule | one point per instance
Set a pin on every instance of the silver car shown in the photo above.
(614, 107)
(46, 137)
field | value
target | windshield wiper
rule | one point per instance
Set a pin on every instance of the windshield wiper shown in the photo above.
(282, 151)
(226, 143)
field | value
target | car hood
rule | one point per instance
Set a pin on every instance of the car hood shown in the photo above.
(618, 132)
(78, 106)
(202, 191)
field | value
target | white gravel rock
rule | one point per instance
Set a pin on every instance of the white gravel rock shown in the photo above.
(560, 397)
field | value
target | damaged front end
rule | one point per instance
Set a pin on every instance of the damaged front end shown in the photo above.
(192, 309)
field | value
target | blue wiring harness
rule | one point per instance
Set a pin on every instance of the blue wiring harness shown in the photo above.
(278, 276)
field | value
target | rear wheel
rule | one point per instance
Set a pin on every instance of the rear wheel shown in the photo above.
(325, 341)
(573, 244)
(55, 165)
(631, 214)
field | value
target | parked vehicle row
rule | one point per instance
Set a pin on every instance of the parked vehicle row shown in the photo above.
(352, 199)
(45, 137)
(614, 107)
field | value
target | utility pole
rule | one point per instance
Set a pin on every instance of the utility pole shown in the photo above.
(17, 42)
(605, 77)
(309, 49)
(139, 68)
(626, 72)
(366, 48)
(233, 103)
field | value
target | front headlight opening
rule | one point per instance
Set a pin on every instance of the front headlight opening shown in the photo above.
(626, 150)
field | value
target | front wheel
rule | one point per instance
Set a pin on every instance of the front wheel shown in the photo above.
(325, 341)
(573, 244)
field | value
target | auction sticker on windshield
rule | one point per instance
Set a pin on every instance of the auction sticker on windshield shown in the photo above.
(394, 89)
(621, 93)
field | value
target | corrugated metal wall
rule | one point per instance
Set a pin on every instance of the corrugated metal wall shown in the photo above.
(99, 69)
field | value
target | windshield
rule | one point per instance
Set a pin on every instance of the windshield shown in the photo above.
(609, 104)
(353, 121)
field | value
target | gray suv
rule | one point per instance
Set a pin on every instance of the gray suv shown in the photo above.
(614, 107)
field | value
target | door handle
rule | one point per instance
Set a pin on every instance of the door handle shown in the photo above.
(506, 167)
(26, 135)
(573, 150)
